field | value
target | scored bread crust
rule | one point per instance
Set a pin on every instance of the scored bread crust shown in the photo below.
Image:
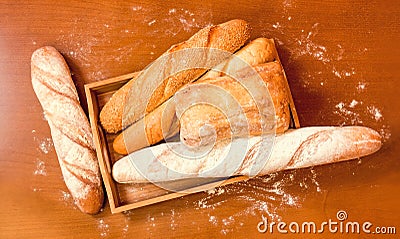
(70, 129)
(224, 124)
(149, 130)
(228, 36)
(296, 148)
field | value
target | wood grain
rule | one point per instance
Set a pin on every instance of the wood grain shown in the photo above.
(333, 52)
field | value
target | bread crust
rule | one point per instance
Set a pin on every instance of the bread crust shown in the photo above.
(229, 124)
(296, 148)
(151, 129)
(70, 129)
(228, 36)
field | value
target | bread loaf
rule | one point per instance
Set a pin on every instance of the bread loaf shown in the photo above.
(228, 36)
(70, 130)
(111, 114)
(154, 127)
(296, 148)
(151, 129)
(257, 118)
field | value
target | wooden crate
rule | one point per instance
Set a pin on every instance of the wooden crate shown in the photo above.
(123, 197)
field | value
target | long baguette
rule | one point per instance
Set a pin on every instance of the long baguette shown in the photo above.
(298, 148)
(70, 130)
(151, 129)
(230, 122)
(228, 36)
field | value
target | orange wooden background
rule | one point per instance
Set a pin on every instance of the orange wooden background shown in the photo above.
(342, 62)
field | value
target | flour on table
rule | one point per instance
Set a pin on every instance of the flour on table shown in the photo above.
(40, 168)
(375, 112)
(65, 196)
(348, 116)
(361, 86)
(343, 73)
(183, 19)
(173, 223)
(306, 46)
(137, 8)
(103, 227)
(276, 25)
(353, 103)
(46, 145)
(264, 195)
(385, 133)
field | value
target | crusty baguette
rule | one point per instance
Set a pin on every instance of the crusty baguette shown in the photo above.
(260, 50)
(229, 122)
(154, 127)
(151, 129)
(111, 114)
(228, 36)
(296, 148)
(70, 130)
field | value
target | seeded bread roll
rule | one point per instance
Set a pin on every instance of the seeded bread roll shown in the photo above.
(70, 129)
(228, 36)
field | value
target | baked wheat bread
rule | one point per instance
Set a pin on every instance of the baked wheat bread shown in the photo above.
(296, 148)
(246, 114)
(228, 36)
(154, 126)
(70, 130)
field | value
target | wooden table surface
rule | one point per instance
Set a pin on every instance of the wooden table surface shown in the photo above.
(342, 62)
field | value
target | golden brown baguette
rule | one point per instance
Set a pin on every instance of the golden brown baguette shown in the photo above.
(204, 123)
(70, 130)
(111, 114)
(228, 36)
(296, 148)
(151, 129)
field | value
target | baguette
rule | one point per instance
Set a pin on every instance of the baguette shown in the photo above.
(70, 130)
(154, 127)
(228, 36)
(111, 113)
(151, 129)
(257, 118)
(296, 148)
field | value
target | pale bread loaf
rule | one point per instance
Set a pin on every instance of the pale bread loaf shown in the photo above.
(230, 123)
(296, 148)
(70, 130)
(228, 36)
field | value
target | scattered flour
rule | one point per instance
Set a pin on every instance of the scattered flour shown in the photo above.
(173, 223)
(183, 19)
(67, 199)
(361, 86)
(307, 46)
(137, 8)
(265, 195)
(353, 103)
(46, 145)
(40, 168)
(385, 133)
(375, 112)
(348, 116)
(276, 25)
(103, 227)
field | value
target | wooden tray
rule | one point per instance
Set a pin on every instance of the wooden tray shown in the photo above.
(123, 197)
